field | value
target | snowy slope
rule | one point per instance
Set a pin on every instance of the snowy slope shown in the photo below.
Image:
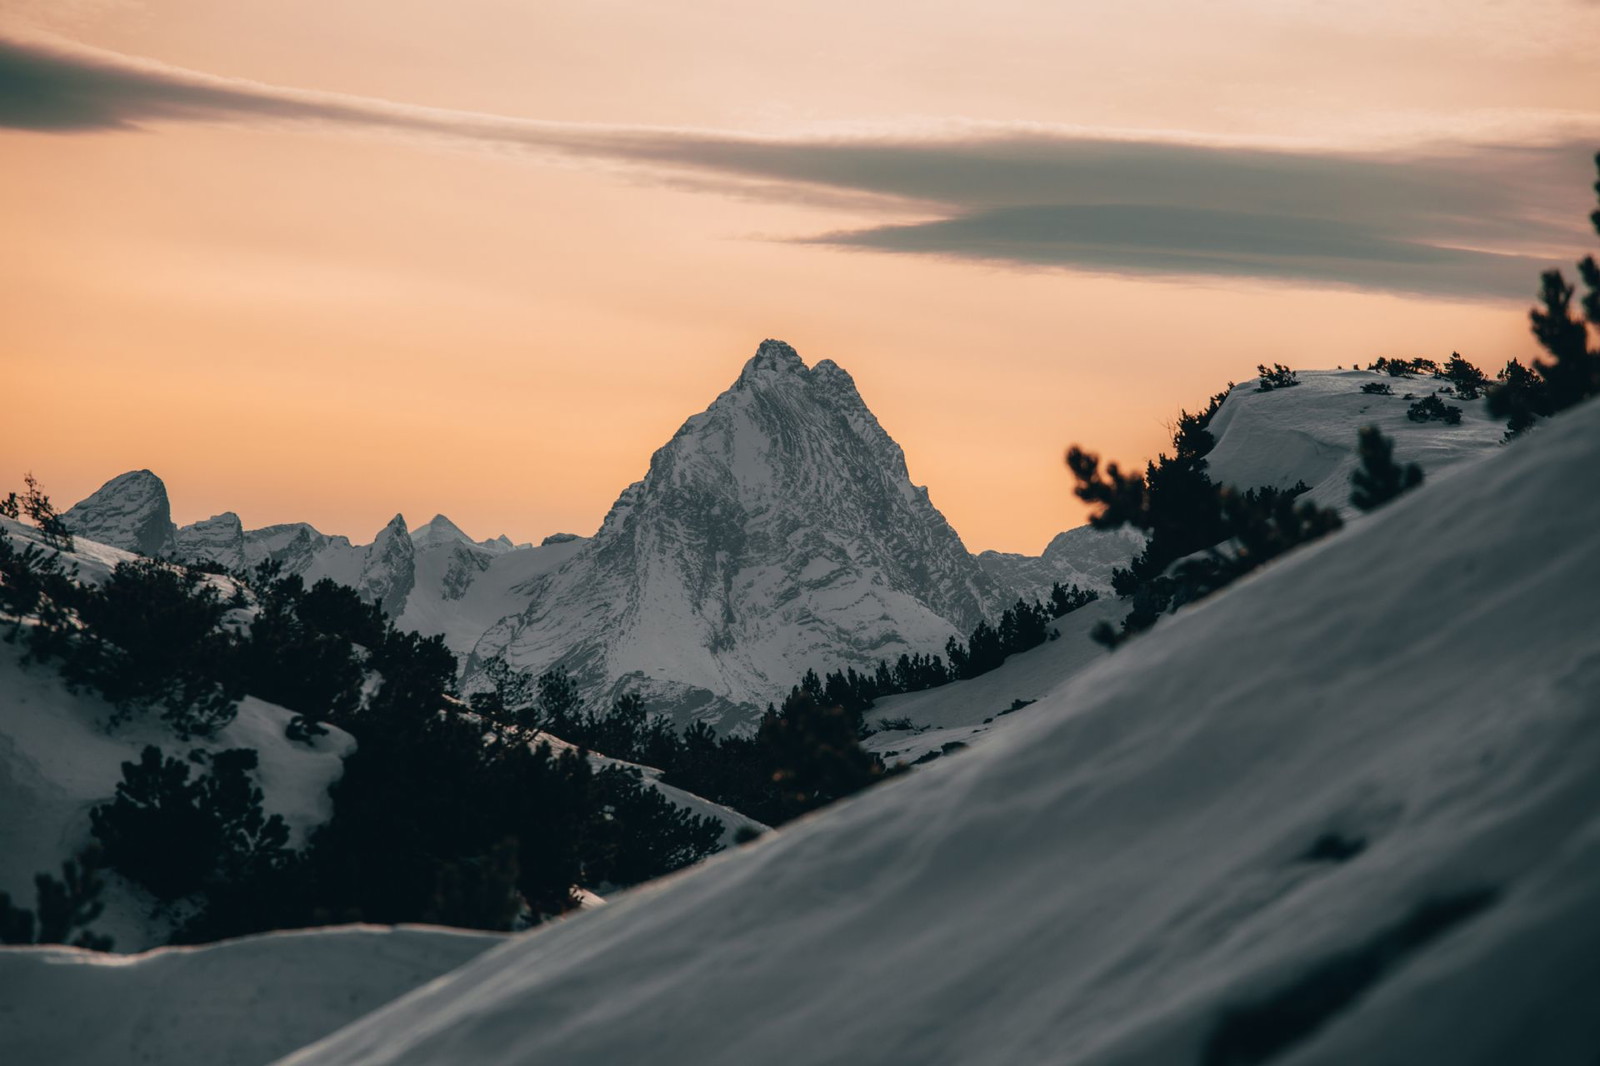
(460, 589)
(1308, 432)
(1358, 786)
(236, 1003)
(57, 761)
(734, 824)
(776, 531)
(963, 710)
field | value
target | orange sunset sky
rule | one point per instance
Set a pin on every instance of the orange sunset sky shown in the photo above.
(326, 262)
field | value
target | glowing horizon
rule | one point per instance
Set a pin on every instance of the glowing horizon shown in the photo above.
(483, 261)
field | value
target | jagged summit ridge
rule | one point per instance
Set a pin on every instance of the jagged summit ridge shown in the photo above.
(778, 530)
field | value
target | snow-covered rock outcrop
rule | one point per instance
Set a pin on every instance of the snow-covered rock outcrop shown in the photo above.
(1343, 812)
(131, 512)
(776, 531)
(388, 570)
(218, 539)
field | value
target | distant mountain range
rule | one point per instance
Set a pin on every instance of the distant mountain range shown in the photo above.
(777, 531)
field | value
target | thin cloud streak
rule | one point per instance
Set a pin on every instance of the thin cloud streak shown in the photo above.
(1462, 221)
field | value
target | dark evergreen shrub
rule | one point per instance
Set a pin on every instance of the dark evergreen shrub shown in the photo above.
(61, 907)
(1218, 533)
(1469, 381)
(1276, 377)
(1432, 409)
(1379, 478)
(34, 505)
(151, 639)
(1572, 374)
(1377, 388)
(174, 835)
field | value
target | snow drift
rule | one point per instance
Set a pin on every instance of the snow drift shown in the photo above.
(1344, 812)
(236, 1003)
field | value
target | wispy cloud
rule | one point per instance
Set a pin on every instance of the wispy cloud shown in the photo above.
(1465, 221)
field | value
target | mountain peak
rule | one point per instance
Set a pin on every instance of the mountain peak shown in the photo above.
(772, 357)
(776, 531)
(131, 512)
(439, 530)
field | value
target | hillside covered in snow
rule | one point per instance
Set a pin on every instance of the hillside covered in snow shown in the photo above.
(1344, 811)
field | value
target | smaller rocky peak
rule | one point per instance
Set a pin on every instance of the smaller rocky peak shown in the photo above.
(389, 570)
(131, 512)
(439, 530)
(772, 359)
(559, 538)
(218, 539)
(835, 380)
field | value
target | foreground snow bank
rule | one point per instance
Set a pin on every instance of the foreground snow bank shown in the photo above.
(1345, 812)
(235, 1003)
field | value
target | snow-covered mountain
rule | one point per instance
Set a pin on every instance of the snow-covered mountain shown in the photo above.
(429, 577)
(131, 512)
(218, 539)
(776, 531)
(1343, 812)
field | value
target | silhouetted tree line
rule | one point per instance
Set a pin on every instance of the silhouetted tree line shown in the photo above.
(802, 755)
(440, 815)
(1021, 627)
(1202, 536)
(1466, 380)
(1379, 478)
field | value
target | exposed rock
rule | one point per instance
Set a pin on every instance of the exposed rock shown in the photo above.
(388, 571)
(130, 512)
(218, 539)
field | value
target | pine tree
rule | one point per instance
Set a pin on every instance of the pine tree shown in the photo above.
(1379, 479)
(1572, 374)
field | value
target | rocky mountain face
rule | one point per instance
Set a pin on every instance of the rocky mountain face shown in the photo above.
(219, 539)
(389, 568)
(131, 512)
(1083, 556)
(776, 531)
